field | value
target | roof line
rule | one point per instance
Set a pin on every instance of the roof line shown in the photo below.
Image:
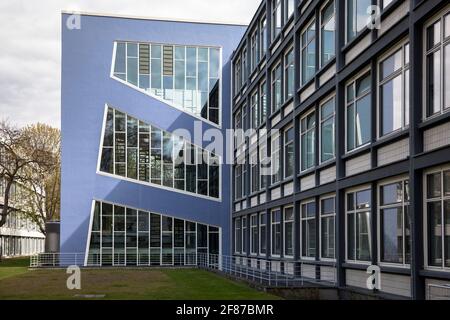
(111, 15)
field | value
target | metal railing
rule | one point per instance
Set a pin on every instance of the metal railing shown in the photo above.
(438, 292)
(260, 271)
(269, 273)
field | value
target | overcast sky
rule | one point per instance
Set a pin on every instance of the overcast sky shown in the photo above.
(30, 40)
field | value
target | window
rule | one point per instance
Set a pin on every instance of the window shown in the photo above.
(288, 232)
(276, 18)
(438, 66)
(394, 91)
(244, 67)
(264, 165)
(276, 159)
(244, 235)
(359, 239)
(262, 233)
(121, 236)
(263, 37)
(276, 233)
(289, 7)
(138, 151)
(395, 228)
(308, 140)
(254, 172)
(289, 73)
(238, 181)
(357, 16)
(437, 217)
(327, 33)
(289, 152)
(237, 235)
(308, 227)
(327, 130)
(254, 110)
(308, 53)
(327, 227)
(386, 3)
(184, 76)
(276, 88)
(254, 50)
(359, 123)
(238, 127)
(263, 103)
(254, 238)
(237, 75)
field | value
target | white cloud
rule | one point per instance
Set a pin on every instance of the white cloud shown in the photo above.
(30, 53)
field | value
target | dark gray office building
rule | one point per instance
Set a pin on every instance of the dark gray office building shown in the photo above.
(349, 162)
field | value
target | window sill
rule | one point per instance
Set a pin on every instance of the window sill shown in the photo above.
(391, 137)
(307, 84)
(349, 45)
(356, 152)
(435, 120)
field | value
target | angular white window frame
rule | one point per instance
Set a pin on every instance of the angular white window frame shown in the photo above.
(137, 181)
(161, 215)
(166, 102)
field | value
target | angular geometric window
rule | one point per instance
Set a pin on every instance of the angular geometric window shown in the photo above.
(121, 236)
(135, 150)
(186, 77)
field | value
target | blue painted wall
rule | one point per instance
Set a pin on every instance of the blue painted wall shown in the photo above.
(87, 87)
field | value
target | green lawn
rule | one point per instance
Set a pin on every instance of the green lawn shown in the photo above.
(13, 267)
(17, 282)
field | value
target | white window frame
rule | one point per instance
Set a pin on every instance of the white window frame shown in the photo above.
(400, 72)
(352, 82)
(305, 220)
(236, 231)
(293, 231)
(286, 68)
(311, 22)
(252, 166)
(313, 110)
(254, 107)
(253, 246)
(321, 120)
(440, 16)
(275, 151)
(272, 223)
(439, 169)
(327, 197)
(274, 106)
(381, 207)
(260, 234)
(356, 190)
(244, 230)
(285, 145)
(322, 25)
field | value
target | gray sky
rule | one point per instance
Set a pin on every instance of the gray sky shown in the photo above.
(30, 51)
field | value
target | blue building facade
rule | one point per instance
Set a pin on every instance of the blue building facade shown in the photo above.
(131, 192)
